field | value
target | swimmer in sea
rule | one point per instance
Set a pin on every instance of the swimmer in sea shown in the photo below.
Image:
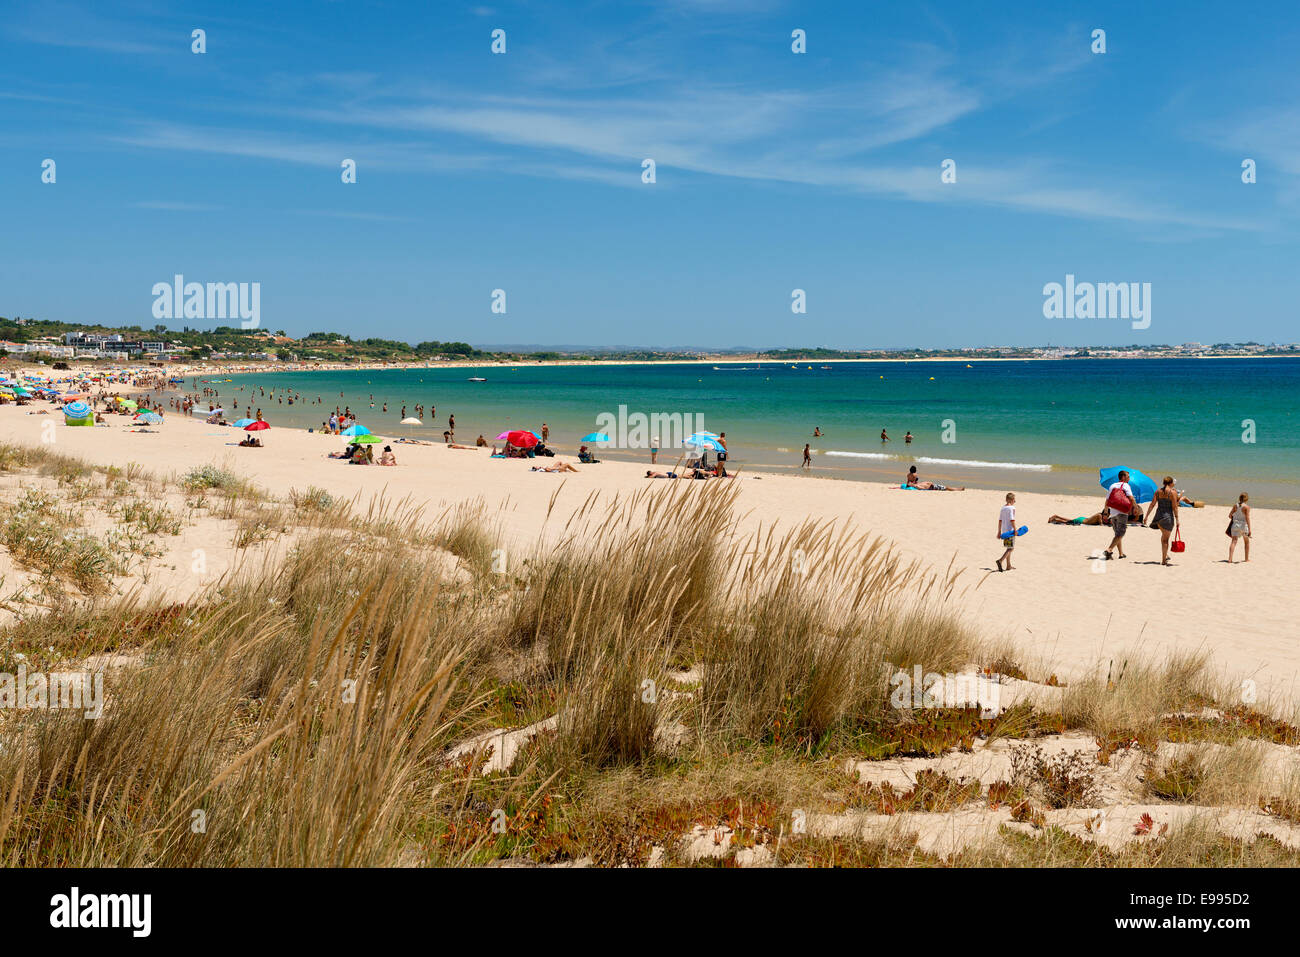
(884, 436)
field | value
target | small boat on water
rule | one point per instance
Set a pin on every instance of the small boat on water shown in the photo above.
(476, 378)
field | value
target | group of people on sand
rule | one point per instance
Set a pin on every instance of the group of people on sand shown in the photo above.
(358, 454)
(1121, 509)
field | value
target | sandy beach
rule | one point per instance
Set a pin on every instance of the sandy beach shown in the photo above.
(1067, 612)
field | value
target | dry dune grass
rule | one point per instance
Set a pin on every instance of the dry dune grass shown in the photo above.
(303, 714)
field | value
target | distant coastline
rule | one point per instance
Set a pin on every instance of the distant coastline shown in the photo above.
(271, 366)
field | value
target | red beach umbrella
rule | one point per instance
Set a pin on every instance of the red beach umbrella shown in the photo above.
(257, 426)
(521, 439)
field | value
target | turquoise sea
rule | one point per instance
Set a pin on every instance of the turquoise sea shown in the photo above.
(1041, 425)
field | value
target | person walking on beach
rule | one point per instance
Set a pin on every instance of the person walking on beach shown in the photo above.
(1007, 531)
(1120, 500)
(722, 453)
(807, 457)
(1165, 505)
(1239, 526)
(546, 433)
(654, 450)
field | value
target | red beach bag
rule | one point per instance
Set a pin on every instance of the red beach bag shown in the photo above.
(1178, 545)
(1118, 500)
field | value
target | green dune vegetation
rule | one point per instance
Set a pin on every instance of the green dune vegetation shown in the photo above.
(644, 686)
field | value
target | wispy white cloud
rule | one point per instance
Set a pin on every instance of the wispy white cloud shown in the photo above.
(60, 24)
(883, 134)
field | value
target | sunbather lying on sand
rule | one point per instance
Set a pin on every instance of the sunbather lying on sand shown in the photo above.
(557, 467)
(689, 473)
(1081, 520)
(914, 481)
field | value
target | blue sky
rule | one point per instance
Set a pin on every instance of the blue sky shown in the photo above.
(775, 170)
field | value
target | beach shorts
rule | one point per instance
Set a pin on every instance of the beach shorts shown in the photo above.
(1009, 542)
(1120, 524)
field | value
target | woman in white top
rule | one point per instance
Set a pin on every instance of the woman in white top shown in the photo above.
(1239, 525)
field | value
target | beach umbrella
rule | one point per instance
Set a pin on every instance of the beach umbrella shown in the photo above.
(355, 430)
(77, 413)
(411, 420)
(594, 437)
(698, 441)
(240, 423)
(711, 436)
(367, 439)
(522, 440)
(149, 418)
(257, 426)
(1143, 487)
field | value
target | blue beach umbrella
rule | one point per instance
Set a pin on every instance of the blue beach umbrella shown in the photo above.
(1143, 487)
(149, 418)
(240, 423)
(78, 413)
(595, 437)
(355, 430)
(703, 440)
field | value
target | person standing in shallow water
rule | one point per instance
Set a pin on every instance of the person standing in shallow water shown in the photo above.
(807, 457)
